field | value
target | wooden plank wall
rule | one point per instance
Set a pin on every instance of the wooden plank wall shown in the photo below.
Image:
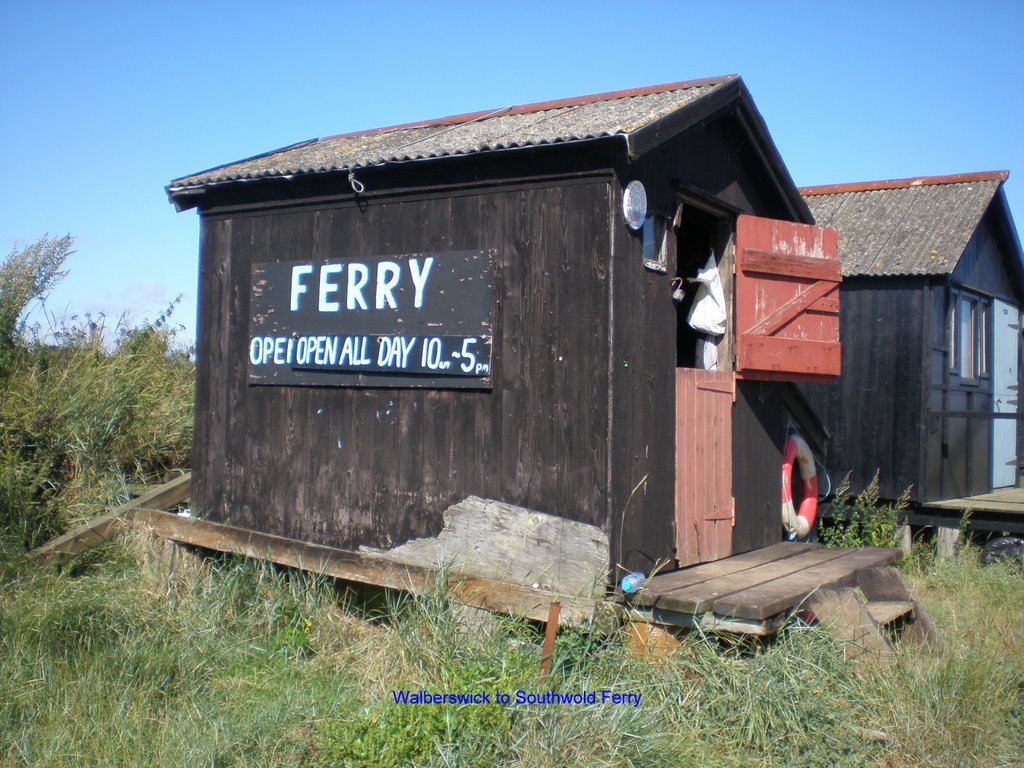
(982, 266)
(759, 432)
(642, 403)
(582, 405)
(714, 160)
(875, 411)
(343, 466)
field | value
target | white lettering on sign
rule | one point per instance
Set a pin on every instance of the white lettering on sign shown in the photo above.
(460, 355)
(394, 351)
(358, 277)
(297, 287)
(419, 278)
(327, 287)
(388, 277)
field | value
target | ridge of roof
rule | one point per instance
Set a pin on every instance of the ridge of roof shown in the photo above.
(916, 181)
(505, 128)
(539, 106)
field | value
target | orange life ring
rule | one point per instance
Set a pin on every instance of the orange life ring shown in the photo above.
(798, 524)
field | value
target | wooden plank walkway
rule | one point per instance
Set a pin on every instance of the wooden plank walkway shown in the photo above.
(759, 585)
(1010, 500)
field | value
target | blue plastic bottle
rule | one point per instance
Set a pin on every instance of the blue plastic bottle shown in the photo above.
(633, 582)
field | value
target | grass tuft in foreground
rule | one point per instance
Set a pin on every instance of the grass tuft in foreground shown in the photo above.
(236, 663)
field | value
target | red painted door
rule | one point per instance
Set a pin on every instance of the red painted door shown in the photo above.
(787, 301)
(704, 500)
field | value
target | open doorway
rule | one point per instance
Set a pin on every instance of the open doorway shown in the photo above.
(699, 233)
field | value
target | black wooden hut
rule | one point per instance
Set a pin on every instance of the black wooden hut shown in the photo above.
(395, 320)
(933, 282)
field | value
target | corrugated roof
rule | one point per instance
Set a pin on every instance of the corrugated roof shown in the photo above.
(530, 125)
(918, 226)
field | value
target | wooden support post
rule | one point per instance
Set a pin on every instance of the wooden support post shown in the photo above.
(946, 540)
(905, 537)
(548, 649)
(167, 565)
(644, 639)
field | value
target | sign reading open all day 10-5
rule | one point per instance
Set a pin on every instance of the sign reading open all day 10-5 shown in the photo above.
(414, 320)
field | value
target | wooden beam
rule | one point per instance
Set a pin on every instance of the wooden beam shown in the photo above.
(789, 265)
(489, 594)
(104, 527)
(850, 624)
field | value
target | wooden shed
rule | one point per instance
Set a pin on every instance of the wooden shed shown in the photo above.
(933, 283)
(394, 321)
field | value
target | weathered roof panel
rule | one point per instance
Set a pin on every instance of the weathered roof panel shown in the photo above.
(570, 120)
(917, 226)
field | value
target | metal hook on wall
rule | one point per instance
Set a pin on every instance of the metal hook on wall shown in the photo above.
(677, 290)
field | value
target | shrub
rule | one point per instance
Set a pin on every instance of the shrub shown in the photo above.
(86, 413)
(863, 520)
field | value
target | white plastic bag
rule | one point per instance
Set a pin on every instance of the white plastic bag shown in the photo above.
(707, 352)
(707, 314)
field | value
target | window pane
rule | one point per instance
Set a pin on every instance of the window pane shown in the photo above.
(982, 337)
(968, 324)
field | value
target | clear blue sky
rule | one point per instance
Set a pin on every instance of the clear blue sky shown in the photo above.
(104, 103)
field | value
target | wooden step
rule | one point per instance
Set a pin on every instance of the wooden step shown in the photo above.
(887, 611)
(843, 616)
(886, 584)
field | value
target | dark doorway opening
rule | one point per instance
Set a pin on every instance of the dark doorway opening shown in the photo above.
(699, 234)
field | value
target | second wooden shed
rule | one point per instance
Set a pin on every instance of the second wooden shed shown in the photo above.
(933, 284)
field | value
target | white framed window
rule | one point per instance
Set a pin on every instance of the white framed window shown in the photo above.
(969, 318)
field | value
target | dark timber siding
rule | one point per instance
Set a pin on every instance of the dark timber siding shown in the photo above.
(346, 466)
(643, 364)
(982, 266)
(759, 434)
(581, 408)
(714, 161)
(874, 411)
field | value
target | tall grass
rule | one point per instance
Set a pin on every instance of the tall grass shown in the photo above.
(236, 663)
(86, 410)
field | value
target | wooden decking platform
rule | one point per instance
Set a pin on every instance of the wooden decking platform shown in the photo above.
(753, 593)
(1004, 500)
(1001, 510)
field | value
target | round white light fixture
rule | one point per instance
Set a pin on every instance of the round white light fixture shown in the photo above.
(634, 204)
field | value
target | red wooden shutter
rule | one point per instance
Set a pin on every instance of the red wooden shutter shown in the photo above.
(704, 500)
(787, 301)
